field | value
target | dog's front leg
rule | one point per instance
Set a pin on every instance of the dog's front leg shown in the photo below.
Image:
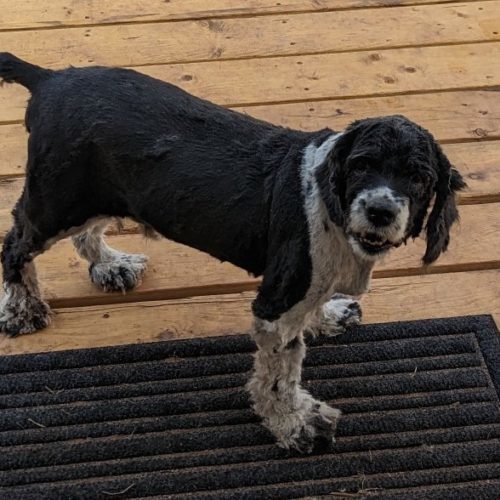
(335, 315)
(287, 410)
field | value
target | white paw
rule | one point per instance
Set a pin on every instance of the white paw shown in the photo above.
(122, 273)
(336, 315)
(24, 316)
(315, 422)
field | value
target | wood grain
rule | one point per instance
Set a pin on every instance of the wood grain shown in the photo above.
(57, 13)
(434, 296)
(319, 76)
(479, 164)
(450, 116)
(136, 323)
(13, 150)
(297, 78)
(391, 299)
(217, 39)
(474, 244)
(178, 271)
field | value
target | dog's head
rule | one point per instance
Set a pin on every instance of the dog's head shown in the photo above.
(384, 173)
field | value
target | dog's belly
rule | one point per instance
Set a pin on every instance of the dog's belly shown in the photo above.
(215, 216)
(247, 254)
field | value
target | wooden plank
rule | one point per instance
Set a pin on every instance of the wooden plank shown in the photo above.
(137, 323)
(13, 150)
(479, 163)
(391, 299)
(296, 78)
(433, 296)
(187, 41)
(450, 116)
(178, 271)
(57, 13)
(479, 227)
(174, 271)
(383, 72)
(482, 173)
(10, 190)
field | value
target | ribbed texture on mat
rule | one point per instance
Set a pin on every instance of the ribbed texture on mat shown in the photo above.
(420, 403)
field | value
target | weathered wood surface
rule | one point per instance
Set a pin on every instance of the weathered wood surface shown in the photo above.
(316, 77)
(219, 39)
(391, 299)
(58, 13)
(433, 61)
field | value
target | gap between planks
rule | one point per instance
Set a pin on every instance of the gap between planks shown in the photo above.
(452, 116)
(177, 271)
(386, 73)
(391, 299)
(278, 36)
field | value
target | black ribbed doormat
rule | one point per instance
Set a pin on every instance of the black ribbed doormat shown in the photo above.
(420, 403)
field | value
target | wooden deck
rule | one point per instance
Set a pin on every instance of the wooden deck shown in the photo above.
(300, 63)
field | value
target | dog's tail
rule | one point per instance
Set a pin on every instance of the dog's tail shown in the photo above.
(14, 70)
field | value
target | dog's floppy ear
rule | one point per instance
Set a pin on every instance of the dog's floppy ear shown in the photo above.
(335, 192)
(444, 212)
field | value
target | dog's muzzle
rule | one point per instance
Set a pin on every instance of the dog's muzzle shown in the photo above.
(377, 221)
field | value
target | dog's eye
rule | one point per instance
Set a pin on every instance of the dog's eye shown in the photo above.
(420, 179)
(417, 179)
(359, 165)
(420, 182)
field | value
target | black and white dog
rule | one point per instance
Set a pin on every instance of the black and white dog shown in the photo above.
(310, 212)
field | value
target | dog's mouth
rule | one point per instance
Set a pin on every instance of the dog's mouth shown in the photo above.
(374, 244)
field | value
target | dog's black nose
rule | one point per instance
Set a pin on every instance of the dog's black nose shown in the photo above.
(381, 213)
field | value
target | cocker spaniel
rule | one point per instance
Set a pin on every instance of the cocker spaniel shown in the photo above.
(310, 212)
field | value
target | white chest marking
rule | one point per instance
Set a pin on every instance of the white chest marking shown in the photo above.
(335, 267)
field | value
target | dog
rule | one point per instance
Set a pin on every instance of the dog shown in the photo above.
(310, 212)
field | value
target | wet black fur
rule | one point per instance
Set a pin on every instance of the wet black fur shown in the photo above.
(114, 142)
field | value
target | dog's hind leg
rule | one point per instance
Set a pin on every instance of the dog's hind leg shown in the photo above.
(109, 269)
(22, 309)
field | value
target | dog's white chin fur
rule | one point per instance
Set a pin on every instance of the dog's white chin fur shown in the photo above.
(362, 253)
